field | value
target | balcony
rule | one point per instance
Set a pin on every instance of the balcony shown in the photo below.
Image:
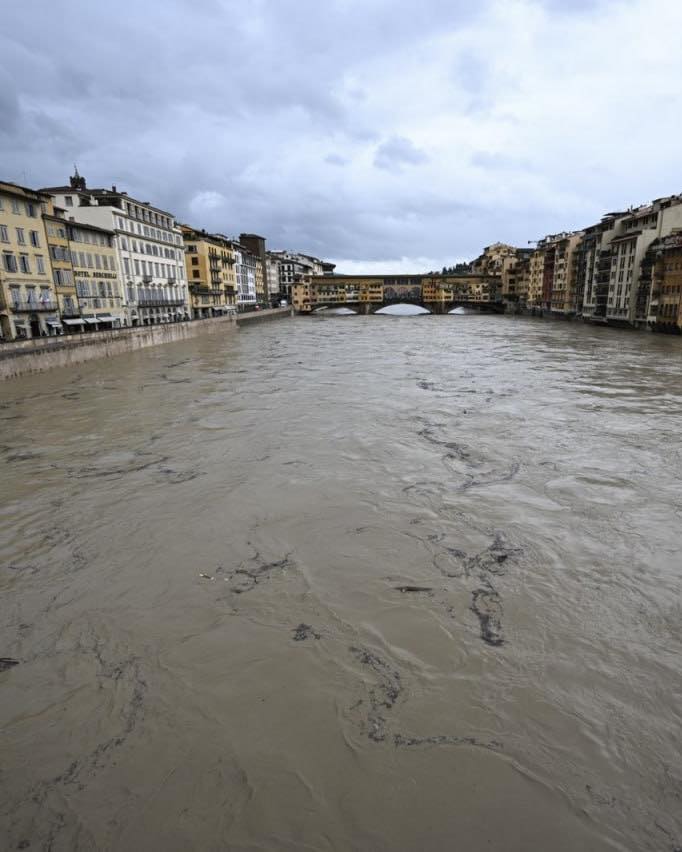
(70, 311)
(160, 302)
(171, 280)
(31, 307)
(147, 279)
(205, 290)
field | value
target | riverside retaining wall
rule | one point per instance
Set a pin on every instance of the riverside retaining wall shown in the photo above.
(18, 357)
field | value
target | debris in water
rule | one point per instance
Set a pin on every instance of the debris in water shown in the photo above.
(7, 663)
(487, 606)
(207, 577)
(303, 632)
(405, 589)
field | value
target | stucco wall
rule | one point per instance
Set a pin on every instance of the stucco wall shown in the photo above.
(31, 356)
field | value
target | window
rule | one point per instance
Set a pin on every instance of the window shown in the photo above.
(35, 239)
(15, 206)
(31, 210)
(21, 237)
(24, 264)
(1, 204)
(98, 261)
(15, 295)
(89, 259)
(9, 262)
(137, 266)
(68, 200)
(4, 236)
(40, 263)
(126, 265)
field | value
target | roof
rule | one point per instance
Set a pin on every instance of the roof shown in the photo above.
(18, 189)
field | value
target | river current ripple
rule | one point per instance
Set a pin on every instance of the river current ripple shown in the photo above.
(357, 583)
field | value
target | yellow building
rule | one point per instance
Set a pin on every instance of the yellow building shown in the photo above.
(28, 302)
(667, 286)
(516, 281)
(211, 275)
(438, 292)
(62, 271)
(535, 278)
(564, 297)
(96, 277)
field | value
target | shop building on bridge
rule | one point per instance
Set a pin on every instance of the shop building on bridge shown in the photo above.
(368, 293)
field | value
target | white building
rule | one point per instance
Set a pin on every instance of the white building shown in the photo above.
(245, 267)
(293, 266)
(150, 250)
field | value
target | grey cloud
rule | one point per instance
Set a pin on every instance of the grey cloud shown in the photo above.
(397, 152)
(236, 113)
(336, 160)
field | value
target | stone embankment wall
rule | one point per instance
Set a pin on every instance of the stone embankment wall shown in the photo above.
(31, 356)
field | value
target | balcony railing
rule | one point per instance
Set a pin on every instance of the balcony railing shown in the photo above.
(204, 289)
(147, 279)
(24, 307)
(160, 302)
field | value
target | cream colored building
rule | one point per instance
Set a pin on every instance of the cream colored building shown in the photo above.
(96, 275)
(28, 301)
(149, 245)
(62, 271)
(627, 302)
(563, 295)
(536, 268)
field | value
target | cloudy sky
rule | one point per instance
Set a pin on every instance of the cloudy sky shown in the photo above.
(392, 134)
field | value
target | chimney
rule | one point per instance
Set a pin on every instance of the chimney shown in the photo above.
(113, 187)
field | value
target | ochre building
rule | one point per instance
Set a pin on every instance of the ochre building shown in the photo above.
(210, 263)
(369, 292)
(28, 302)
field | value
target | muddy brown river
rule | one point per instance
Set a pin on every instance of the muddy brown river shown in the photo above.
(359, 583)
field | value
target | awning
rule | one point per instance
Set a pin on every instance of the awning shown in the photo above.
(90, 320)
(74, 321)
(105, 317)
(55, 323)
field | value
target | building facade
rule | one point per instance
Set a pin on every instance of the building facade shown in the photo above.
(149, 250)
(666, 297)
(594, 266)
(256, 245)
(367, 292)
(97, 281)
(564, 299)
(62, 271)
(245, 267)
(294, 267)
(629, 294)
(28, 301)
(211, 274)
